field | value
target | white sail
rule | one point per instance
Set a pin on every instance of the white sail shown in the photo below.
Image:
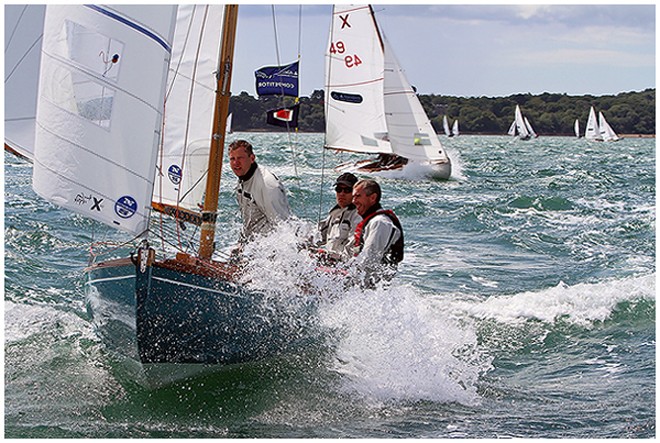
(606, 131)
(355, 110)
(189, 106)
(512, 128)
(409, 128)
(445, 126)
(576, 128)
(528, 125)
(454, 128)
(23, 30)
(592, 132)
(99, 112)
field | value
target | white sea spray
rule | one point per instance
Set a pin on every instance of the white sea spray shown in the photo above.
(390, 343)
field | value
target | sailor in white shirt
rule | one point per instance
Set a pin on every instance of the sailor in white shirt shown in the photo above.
(377, 246)
(260, 195)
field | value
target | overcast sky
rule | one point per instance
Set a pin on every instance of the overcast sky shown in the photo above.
(470, 50)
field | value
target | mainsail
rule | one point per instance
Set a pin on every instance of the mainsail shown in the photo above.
(100, 109)
(445, 126)
(355, 109)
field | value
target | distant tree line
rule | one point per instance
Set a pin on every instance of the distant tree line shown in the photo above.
(549, 114)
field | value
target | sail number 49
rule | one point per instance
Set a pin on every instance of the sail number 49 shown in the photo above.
(351, 61)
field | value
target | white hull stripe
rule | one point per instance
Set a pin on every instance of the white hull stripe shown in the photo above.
(165, 280)
(174, 282)
(103, 280)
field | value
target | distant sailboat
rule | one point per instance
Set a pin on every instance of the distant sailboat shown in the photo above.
(371, 107)
(518, 127)
(606, 131)
(592, 133)
(229, 119)
(454, 128)
(576, 128)
(445, 126)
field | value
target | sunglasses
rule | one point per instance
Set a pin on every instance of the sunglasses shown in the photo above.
(339, 189)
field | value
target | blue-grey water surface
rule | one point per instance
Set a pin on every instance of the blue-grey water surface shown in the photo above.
(525, 307)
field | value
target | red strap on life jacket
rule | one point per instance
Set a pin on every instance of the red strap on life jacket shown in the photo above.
(360, 227)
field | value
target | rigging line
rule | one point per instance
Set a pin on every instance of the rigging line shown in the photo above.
(318, 216)
(299, 30)
(178, 64)
(277, 47)
(13, 31)
(191, 92)
(93, 256)
(326, 102)
(282, 101)
(24, 55)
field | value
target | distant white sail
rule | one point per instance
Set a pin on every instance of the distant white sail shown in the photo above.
(592, 132)
(99, 113)
(606, 131)
(445, 126)
(190, 99)
(531, 131)
(454, 128)
(512, 128)
(576, 128)
(24, 25)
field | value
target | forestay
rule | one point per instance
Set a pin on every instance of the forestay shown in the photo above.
(99, 112)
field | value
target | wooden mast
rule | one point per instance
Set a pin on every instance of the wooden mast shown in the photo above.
(223, 94)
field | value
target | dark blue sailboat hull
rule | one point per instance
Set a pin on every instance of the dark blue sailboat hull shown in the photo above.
(169, 313)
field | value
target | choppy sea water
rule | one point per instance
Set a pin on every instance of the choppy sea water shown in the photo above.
(525, 307)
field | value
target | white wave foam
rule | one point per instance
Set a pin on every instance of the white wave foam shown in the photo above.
(581, 304)
(23, 321)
